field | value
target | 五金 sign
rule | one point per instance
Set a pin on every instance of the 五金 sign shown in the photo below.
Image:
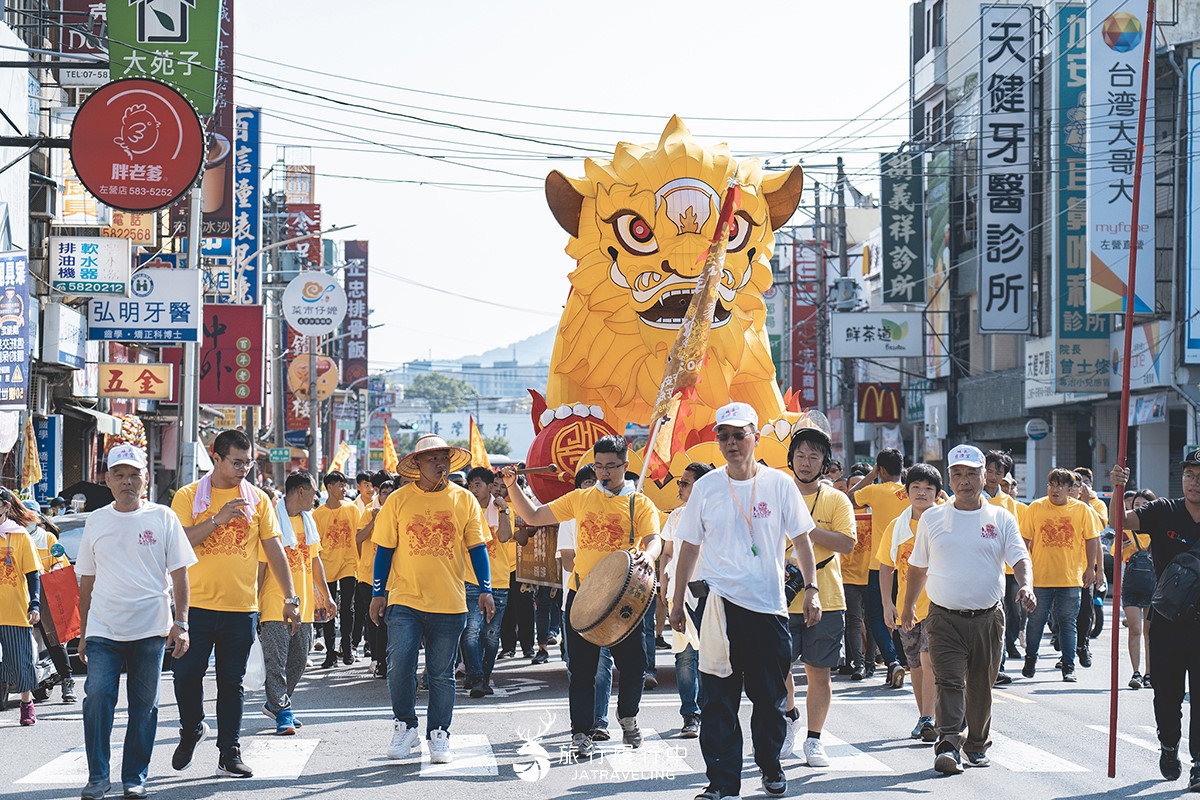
(137, 144)
(141, 381)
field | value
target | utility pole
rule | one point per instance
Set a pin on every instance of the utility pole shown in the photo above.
(189, 427)
(314, 407)
(848, 375)
(821, 302)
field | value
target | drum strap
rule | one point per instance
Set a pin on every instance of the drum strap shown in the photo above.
(631, 520)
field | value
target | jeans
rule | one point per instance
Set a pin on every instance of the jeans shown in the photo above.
(143, 660)
(879, 629)
(343, 591)
(1085, 618)
(406, 627)
(687, 678)
(481, 641)
(604, 671)
(648, 635)
(1065, 602)
(1014, 615)
(629, 654)
(231, 634)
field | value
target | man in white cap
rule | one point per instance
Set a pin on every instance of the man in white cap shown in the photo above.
(733, 532)
(424, 534)
(133, 553)
(958, 557)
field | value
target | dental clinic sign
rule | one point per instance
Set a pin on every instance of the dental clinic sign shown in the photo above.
(163, 306)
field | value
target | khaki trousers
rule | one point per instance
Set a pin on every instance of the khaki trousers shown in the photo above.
(966, 654)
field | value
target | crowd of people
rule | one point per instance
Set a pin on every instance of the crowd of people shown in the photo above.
(930, 578)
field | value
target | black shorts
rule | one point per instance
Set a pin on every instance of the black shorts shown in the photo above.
(820, 645)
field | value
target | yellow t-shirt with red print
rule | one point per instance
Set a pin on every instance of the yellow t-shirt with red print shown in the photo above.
(900, 564)
(431, 533)
(887, 501)
(498, 559)
(856, 563)
(603, 521)
(1057, 537)
(300, 559)
(339, 551)
(365, 571)
(225, 578)
(17, 559)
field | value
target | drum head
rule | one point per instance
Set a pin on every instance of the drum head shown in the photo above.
(599, 590)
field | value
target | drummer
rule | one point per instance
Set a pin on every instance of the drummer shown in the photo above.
(603, 515)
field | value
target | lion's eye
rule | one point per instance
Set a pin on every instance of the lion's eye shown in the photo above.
(739, 232)
(635, 234)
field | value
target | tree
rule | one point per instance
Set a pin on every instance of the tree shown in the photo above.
(443, 392)
(495, 445)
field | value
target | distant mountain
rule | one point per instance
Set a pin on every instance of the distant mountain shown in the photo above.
(534, 350)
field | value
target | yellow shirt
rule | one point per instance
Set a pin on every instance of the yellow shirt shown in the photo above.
(1101, 509)
(48, 560)
(886, 500)
(832, 511)
(604, 525)
(431, 533)
(225, 578)
(1056, 537)
(510, 556)
(365, 571)
(856, 564)
(300, 558)
(498, 560)
(900, 564)
(17, 559)
(339, 551)
(1143, 542)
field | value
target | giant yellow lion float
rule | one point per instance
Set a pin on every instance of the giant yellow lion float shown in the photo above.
(640, 227)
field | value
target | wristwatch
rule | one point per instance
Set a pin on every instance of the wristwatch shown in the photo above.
(183, 626)
(291, 601)
(504, 511)
(812, 586)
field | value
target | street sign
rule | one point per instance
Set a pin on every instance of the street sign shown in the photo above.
(1037, 429)
(281, 455)
(140, 381)
(296, 438)
(232, 359)
(137, 145)
(174, 41)
(314, 303)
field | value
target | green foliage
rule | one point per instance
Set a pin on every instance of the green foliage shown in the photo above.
(443, 392)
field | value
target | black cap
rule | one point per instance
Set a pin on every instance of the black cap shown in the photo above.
(1192, 459)
(58, 501)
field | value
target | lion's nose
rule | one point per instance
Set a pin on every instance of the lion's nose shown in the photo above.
(666, 267)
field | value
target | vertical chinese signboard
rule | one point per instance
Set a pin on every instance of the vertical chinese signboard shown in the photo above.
(1191, 328)
(1115, 38)
(14, 331)
(231, 356)
(1080, 339)
(247, 209)
(937, 261)
(296, 415)
(805, 298)
(173, 41)
(82, 32)
(355, 365)
(902, 213)
(304, 219)
(1005, 158)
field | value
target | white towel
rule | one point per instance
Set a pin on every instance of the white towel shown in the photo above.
(287, 535)
(902, 532)
(714, 641)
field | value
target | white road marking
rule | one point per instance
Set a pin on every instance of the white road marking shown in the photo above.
(1020, 757)
(656, 756)
(843, 757)
(69, 768)
(473, 757)
(1136, 741)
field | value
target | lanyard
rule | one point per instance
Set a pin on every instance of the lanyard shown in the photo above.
(749, 519)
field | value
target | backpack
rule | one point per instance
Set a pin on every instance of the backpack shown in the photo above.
(1139, 578)
(1177, 595)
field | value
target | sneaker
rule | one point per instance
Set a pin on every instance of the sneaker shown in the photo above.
(600, 735)
(1068, 672)
(947, 761)
(542, 657)
(1168, 762)
(858, 673)
(710, 793)
(267, 712)
(1058, 664)
(469, 683)
(1136, 681)
(1012, 651)
(348, 657)
(920, 726)
(977, 759)
(331, 660)
(404, 740)
(1002, 679)
(551, 640)
(319, 646)
(789, 737)
(650, 682)
(1194, 778)
(630, 734)
(480, 689)
(1085, 656)
(135, 791)
(582, 746)
(774, 785)
(230, 763)
(488, 691)
(182, 758)
(661, 644)
(95, 790)
(439, 747)
(68, 691)
(691, 727)
(814, 753)
(1030, 666)
(1146, 681)
(285, 724)
(380, 670)
(28, 715)
(895, 673)
(929, 733)
(507, 654)
(845, 669)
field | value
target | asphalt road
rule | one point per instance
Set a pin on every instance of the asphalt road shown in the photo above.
(1050, 742)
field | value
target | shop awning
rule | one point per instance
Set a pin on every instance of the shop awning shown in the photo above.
(105, 423)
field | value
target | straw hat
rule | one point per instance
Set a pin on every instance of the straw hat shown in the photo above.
(460, 458)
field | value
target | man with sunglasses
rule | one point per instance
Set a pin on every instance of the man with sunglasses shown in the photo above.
(228, 521)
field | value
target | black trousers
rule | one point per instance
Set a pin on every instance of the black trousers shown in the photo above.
(1085, 618)
(629, 657)
(363, 626)
(1175, 654)
(760, 650)
(517, 625)
(343, 592)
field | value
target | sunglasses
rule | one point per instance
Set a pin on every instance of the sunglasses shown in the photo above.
(736, 436)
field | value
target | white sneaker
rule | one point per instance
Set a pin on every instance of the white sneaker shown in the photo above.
(404, 740)
(814, 753)
(789, 738)
(439, 747)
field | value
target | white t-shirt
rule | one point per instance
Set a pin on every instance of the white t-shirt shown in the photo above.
(716, 518)
(567, 531)
(130, 554)
(965, 552)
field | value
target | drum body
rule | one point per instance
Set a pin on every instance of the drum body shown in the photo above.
(612, 600)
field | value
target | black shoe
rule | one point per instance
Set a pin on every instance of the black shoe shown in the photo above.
(1085, 656)
(507, 654)
(600, 735)
(1146, 681)
(1068, 672)
(859, 673)
(691, 727)
(774, 785)
(348, 657)
(480, 689)
(947, 760)
(1012, 651)
(231, 764)
(542, 657)
(182, 758)
(650, 682)
(1194, 779)
(661, 644)
(1030, 666)
(488, 691)
(1003, 679)
(845, 668)
(331, 660)
(1168, 762)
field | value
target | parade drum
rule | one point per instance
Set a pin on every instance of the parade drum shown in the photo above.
(612, 600)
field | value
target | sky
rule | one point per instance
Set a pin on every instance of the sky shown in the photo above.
(511, 91)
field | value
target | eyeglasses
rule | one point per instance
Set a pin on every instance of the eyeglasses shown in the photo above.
(240, 465)
(682, 483)
(1191, 477)
(609, 467)
(736, 436)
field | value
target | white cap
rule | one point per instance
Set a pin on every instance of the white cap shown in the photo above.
(739, 415)
(966, 454)
(127, 454)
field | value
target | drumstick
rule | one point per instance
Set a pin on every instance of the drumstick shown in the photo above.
(532, 470)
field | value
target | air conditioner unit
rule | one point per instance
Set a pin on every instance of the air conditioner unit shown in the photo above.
(41, 397)
(43, 200)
